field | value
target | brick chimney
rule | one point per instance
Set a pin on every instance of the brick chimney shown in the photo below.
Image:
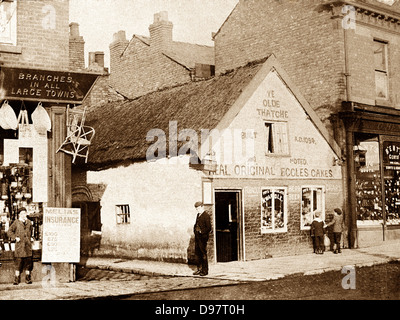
(161, 32)
(117, 47)
(76, 48)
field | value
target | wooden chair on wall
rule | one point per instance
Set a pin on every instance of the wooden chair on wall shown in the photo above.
(79, 136)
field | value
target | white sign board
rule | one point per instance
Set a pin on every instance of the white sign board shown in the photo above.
(61, 235)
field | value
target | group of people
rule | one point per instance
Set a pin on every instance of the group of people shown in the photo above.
(319, 230)
(21, 232)
(202, 229)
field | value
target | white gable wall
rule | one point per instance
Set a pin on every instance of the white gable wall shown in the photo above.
(309, 157)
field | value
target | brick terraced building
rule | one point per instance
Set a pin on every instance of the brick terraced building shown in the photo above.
(148, 63)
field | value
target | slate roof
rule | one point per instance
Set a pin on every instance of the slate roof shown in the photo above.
(186, 54)
(121, 127)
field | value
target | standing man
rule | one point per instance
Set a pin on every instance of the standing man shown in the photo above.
(21, 232)
(201, 230)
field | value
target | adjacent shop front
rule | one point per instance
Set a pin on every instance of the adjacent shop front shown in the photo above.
(373, 146)
(33, 174)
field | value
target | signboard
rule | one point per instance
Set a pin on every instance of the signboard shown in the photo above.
(45, 86)
(61, 235)
(391, 152)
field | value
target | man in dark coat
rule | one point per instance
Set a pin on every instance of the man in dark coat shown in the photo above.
(201, 230)
(21, 232)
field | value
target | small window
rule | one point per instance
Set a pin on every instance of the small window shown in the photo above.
(381, 69)
(312, 200)
(276, 138)
(123, 214)
(8, 22)
(273, 210)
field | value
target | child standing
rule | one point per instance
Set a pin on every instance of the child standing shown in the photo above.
(338, 226)
(318, 231)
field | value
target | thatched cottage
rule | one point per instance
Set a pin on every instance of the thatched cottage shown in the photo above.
(268, 165)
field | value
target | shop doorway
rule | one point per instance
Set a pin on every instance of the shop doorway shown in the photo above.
(228, 217)
(90, 226)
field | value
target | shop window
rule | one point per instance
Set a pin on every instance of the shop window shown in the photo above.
(274, 210)
(391, 174)
(368, 180)
(381, 69)
(123, 214)
(312, 200)
(8, 22)
(276, 138)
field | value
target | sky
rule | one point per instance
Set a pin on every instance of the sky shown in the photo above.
(193, 20)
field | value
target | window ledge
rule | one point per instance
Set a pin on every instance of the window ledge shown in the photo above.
(9, 48)
(269, 231)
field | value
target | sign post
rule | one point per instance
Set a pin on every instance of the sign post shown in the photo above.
(61, 235)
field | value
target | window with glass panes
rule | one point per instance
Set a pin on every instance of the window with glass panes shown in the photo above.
(8, 22)
(312, 200)
(273, 210)
(381, 68)
(276, 138)
(123, 214)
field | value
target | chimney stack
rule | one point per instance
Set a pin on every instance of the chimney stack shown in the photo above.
(117, 47)
(161, 32)
(76, 48)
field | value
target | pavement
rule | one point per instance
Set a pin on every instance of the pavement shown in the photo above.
(110, 277)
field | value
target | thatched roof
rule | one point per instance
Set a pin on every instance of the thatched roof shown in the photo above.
(121, 127)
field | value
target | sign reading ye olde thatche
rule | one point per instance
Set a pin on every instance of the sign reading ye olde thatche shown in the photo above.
(44, 85)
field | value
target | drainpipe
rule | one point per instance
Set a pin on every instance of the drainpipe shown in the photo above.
(346, 64)
(350, 168)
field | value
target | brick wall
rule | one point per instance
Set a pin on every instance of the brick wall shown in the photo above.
(308, 44)
(294, 241)
(139, 67)
(42, 36)
(361, 64)
(141, 70)
(102, 93)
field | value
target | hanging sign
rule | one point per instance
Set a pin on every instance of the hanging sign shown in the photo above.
(45, 86)
(61, 235)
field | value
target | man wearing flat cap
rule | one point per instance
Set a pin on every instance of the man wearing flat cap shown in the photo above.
(201, 230)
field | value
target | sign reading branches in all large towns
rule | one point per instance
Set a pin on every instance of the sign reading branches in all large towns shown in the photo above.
(44, 85)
